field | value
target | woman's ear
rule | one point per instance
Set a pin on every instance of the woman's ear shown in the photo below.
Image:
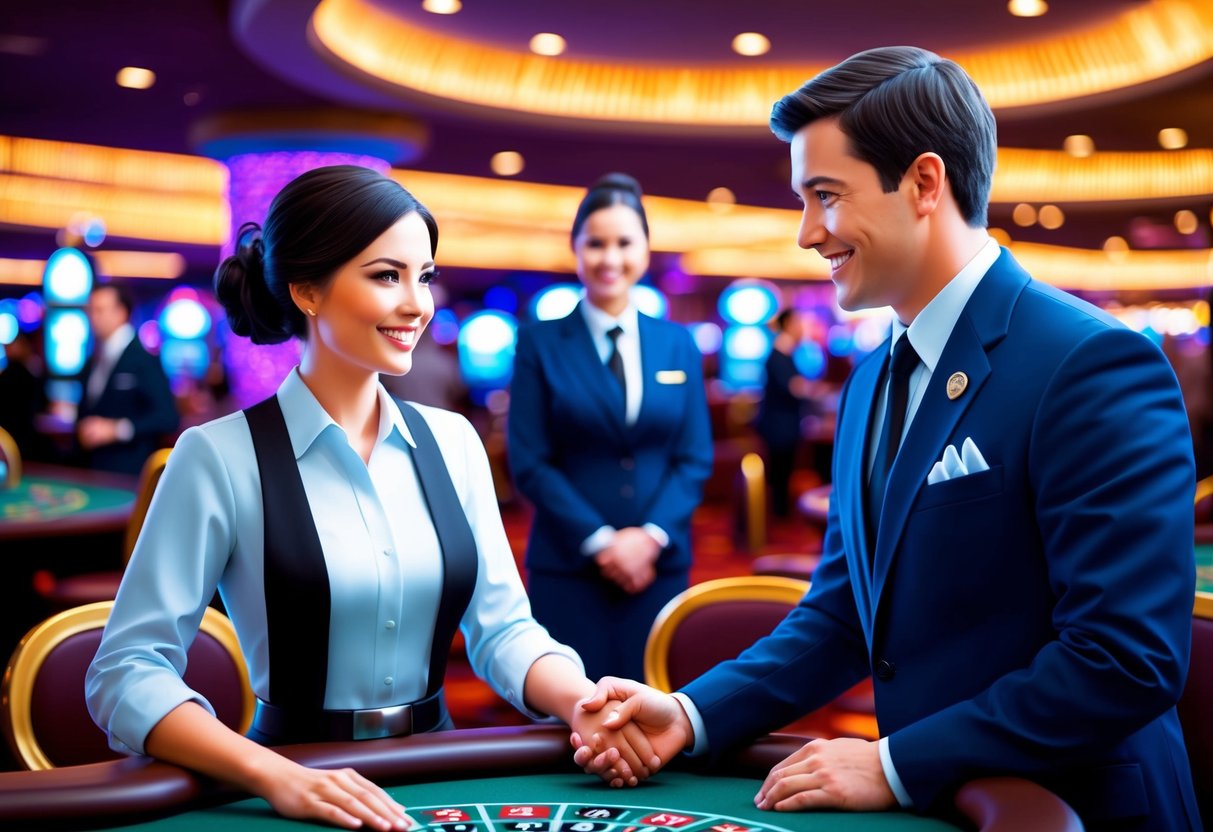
(304, 297)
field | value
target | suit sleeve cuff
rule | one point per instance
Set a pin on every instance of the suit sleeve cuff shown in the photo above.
(598, 541)
(657, 533)
(700, 745)
(124, 430)
(890, 774)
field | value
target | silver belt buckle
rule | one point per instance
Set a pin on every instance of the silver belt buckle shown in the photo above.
(383, 722)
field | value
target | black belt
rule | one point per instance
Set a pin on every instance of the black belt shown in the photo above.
(338, 726)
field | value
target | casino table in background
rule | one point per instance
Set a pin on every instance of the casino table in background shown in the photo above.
(1204, 567)
(65, 520)
(494, 780)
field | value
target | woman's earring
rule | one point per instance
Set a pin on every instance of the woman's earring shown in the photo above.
(310, 312)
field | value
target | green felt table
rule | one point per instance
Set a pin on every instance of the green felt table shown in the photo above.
(517, 779)
(572, 802)
(1204, 568)
(52, 501)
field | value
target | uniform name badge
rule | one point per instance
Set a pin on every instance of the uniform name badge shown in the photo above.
(671, 377)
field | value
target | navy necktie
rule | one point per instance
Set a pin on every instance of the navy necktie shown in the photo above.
(900, 369)
(615, 360)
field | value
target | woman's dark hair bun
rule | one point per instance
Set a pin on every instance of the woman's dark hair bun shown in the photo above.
(618, 181)
(240, 286)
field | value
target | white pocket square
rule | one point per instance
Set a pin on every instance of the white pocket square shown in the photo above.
(968, 461)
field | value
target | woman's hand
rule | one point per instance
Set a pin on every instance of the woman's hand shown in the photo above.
(342, 797)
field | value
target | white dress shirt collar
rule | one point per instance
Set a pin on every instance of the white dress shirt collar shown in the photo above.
(306, 419)
(930, 331)
(600, 323)
(113, 346)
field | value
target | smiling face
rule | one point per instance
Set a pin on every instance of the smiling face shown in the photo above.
(370, 316)
(873, 240)
(612, 254)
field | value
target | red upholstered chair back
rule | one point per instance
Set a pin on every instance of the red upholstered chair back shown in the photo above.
(44, 714)
(712, 622)
(1196, 705)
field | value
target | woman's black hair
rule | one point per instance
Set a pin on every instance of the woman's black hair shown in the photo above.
(315, 225)
(611, 189)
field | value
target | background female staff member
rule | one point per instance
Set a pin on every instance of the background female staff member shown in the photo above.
(609, 438)
(347, 534)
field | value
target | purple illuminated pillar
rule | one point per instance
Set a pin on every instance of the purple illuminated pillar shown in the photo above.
(255, 371)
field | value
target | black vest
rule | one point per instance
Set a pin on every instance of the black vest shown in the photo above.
(297, 599)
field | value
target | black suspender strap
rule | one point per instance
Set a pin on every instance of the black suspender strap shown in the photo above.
(460, 559)
(297, 600)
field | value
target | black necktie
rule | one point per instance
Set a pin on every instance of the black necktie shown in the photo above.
(900, 368)
(615, 360)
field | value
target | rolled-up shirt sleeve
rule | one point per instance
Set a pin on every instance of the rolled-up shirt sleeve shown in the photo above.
(503, 639)
(135, 679)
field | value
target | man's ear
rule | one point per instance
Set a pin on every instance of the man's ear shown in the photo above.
(930, 183)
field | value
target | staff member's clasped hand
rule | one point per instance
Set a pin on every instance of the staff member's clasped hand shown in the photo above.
(630, 560)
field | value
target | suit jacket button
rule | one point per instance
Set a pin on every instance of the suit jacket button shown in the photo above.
(627, 463)
(885, 670)
(626, 491)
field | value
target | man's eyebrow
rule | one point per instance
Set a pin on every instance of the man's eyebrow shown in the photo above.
(810, 184)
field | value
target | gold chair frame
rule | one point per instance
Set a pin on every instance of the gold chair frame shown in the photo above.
(12, 455)
(149, 478)
(753, 474)
(16, 699)
(744, 588)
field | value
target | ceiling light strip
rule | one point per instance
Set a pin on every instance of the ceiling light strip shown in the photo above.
(127, 212)
(172, 172)
(1055, 176)
(1145, 43)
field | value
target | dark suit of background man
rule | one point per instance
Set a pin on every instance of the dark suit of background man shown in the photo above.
(127, 410)
(1021, 589)
(785, 399)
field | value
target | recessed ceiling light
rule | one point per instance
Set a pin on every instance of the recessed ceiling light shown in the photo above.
(507, 163)
(135, 77)
(1024, 215)
(1027, 8)
(1173, 138)
(191, 98)
(1051, 217)
(548, 44)
(441, 6)
(751, 44)
(1079, 146)
(1117, 249)
(721, 200)
(1186, 222)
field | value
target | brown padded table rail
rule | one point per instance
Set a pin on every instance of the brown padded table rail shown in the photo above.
(125, 791)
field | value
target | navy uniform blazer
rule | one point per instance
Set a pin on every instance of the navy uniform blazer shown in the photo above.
(1033, 619)
(138, 390)
(577, 460)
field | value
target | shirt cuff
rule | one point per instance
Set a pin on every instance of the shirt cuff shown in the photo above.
(598, 541)
(657, 533)
(890, 774)
(124, 430)
(700, 746)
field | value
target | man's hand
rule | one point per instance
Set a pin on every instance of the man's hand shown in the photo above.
(658, 715)
(828, 774)
(630, 756)
(95, 431)
(629, 560)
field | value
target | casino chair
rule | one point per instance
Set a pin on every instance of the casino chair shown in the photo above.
(714, 621)
(42, 707)
(61, 593)
(10, 460)
(750, 504)
(1196, 704)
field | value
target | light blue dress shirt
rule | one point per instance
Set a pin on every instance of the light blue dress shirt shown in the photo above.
(204, 530)
(928, 333)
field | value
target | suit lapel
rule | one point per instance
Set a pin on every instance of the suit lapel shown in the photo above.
(851, 445)
(982, 324)
(583, 368)
(653, 357)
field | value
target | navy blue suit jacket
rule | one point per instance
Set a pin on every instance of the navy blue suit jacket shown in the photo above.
(1033, 619)
(574, 456)
(138, 390)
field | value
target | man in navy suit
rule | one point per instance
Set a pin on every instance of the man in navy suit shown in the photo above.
(127, 410)
(1010, 542)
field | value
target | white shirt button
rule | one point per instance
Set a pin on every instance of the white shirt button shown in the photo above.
(391, 625)
(388, 553)
(387, 680)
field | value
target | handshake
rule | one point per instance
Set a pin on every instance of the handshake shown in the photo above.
(626, 732)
